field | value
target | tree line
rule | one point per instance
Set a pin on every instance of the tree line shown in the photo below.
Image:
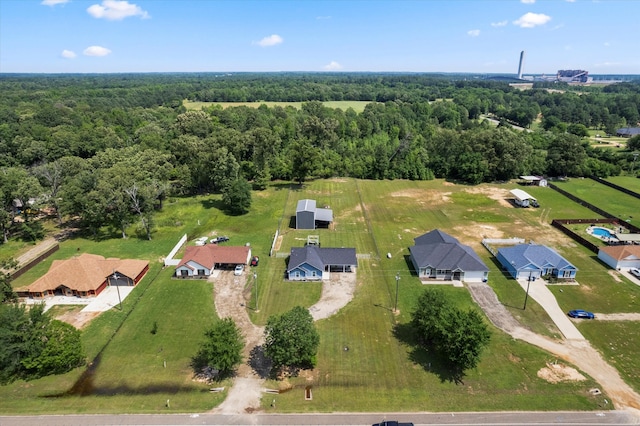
(108, 149)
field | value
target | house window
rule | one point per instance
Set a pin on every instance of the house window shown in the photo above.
(566, 274)
(314, 274)
(441, 271)
(200, 271)
(296, 274)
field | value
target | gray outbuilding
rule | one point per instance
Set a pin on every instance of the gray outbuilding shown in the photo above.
(308, 216)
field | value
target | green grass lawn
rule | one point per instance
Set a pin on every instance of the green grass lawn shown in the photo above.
(629, 182)
(610, 200)
(382, 370)
(357, 106)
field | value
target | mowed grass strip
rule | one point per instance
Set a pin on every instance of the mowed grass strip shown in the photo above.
(629, 182)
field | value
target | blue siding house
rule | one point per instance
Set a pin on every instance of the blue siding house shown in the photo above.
(535, 261)
(310, 263)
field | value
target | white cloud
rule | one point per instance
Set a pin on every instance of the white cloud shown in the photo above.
(499, 24)
(530, 20)
(53, 2)
(528, 1)
(333, 66)
(115, 10)
(96, 51)
(473, 33)
(68, 54)
(272, 40)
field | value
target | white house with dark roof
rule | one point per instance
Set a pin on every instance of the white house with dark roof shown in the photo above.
(308, 216)
(439, 256)
(312, 263)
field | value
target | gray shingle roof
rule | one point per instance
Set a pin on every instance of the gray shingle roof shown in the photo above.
(319, 257)
(439, 250)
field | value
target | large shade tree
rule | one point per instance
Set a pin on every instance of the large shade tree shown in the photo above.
(291, 340)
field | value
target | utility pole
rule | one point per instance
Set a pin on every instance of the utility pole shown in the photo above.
(526, 296)
(115, 277)
(255, 281)
(395, 309)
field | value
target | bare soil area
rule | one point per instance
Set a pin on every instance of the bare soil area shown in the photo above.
(556, 373)
(231, 295)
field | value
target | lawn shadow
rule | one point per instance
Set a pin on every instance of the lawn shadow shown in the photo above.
(410, 267)
(426, 357)
(260, 363)
(210, 203)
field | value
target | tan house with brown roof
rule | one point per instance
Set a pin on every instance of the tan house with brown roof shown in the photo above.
(621, 257)
(85, 276)
(200, 261)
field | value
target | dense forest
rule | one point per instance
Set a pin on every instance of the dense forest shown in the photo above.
(108, 149)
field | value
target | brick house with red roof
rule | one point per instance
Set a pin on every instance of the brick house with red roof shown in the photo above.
(200, 261)
(85, 276)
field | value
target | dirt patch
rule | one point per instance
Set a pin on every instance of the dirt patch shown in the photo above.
(78, 319)
(424, 196)
(499, 194)
(278, 243)
(615, 275)
(633, 316)
(556, 373)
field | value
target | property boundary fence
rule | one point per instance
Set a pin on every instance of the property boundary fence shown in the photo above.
(560, 224)
(614, 186)
(488, 243)
(34, 261)
(595, 209)
(169, 260)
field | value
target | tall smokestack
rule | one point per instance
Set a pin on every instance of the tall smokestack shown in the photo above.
(521, 65)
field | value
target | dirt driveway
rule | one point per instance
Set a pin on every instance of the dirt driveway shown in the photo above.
(231, 294)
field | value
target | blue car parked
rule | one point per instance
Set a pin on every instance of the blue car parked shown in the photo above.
(579, 313)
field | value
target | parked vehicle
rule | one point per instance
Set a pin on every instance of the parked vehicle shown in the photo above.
(254, 261)
(535, 203)
(393, 423)
(239, 269)
(217, 240)
(635, 272)
(580, 313)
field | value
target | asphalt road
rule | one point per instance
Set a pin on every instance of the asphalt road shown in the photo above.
(499, 418)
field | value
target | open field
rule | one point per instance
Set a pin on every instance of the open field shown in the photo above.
(382, 370)
(610, 200)
(357, 106)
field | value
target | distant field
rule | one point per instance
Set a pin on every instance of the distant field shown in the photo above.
(357, 106)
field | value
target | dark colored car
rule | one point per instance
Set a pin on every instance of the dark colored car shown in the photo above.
(579, 313)
(393, 423)
(217, 240)
(535, 203)
(255, 260)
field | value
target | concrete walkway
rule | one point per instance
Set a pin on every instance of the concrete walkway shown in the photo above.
(539, 292)
(103, 302)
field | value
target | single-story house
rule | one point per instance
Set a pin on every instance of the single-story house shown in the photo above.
(521, 198)
(200, 261)
(310, 263)
(627, 132)
(535, 261)
(534, 180)
(308, 216)
(621, 256)
(439, 256)
(85, 276)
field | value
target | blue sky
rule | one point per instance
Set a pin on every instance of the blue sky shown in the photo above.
(78, 36)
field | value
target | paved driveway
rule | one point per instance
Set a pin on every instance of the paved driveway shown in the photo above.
(539, 292)
(108, 299)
